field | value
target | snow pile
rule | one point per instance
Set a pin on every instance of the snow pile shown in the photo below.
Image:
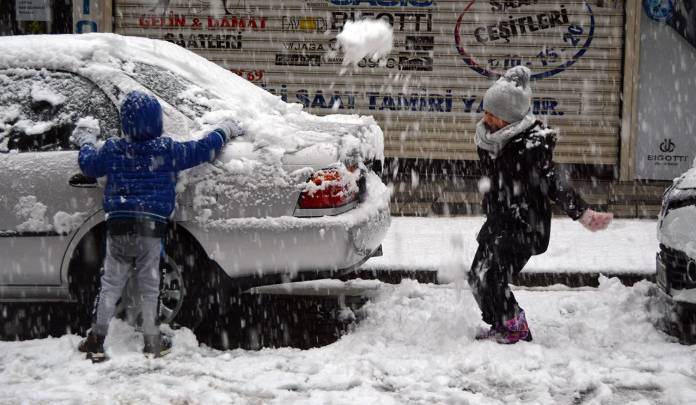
(39, 94)
(64, 223)
(415, 346)
(688, 295)
(33, 213)
(365, 38)
(88, 122)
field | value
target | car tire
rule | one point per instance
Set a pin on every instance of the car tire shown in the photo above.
(200, 290)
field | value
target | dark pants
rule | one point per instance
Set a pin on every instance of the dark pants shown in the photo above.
(494, 264)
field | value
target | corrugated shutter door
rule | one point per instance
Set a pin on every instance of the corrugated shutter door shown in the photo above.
(426, 95)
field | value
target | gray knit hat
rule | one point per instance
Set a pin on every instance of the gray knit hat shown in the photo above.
(510, 97)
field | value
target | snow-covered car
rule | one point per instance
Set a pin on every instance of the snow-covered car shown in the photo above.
(676, 260)
(298, 196)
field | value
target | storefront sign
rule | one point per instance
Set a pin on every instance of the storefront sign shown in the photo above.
(665, 141)
(558, 36)
(33, 10)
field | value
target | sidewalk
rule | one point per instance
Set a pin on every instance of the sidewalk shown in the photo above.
(447, 245)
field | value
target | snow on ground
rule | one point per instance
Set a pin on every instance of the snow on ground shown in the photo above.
(415, 346)
(449, 244)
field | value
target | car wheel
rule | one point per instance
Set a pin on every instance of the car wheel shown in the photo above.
(189, 284)
(172, 289)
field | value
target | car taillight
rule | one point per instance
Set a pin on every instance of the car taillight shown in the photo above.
(330, 189)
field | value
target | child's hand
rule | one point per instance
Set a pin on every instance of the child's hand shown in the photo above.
(596, 221)
(231, 129)
(86, 131)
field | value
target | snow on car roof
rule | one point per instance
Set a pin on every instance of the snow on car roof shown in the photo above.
(268, 120)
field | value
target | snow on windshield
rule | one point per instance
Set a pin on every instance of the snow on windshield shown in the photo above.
(39, 94)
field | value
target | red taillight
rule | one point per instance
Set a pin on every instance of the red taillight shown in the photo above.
(330, 190)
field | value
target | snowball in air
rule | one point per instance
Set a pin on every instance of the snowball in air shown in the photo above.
(373, 38)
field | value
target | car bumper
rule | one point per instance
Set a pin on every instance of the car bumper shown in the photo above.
(291, 245)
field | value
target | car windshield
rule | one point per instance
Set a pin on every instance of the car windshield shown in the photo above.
(185, 96)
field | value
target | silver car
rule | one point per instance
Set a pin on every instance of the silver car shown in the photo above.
(676, 260)
(299, 196)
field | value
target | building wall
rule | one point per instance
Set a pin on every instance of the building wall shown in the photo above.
(427, 94)
(666, 130)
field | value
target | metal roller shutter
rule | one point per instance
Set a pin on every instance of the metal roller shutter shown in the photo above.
(427, 94)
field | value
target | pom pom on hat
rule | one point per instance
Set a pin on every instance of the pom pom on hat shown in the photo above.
(510, 97)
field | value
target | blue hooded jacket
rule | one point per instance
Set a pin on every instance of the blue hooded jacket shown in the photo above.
(141, 168)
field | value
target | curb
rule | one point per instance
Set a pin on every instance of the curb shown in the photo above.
(524, 279)
(575, 280)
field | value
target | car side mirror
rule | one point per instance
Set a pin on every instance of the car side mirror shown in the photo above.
(82, 181)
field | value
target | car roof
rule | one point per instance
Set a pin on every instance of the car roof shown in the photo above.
(80, 52)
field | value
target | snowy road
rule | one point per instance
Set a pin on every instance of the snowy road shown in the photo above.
(594, 346)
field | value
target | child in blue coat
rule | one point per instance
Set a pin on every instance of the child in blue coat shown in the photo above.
(141, 173)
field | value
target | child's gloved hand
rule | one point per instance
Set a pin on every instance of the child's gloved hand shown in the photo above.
(231, 129)
(596, 221)
(86, 132)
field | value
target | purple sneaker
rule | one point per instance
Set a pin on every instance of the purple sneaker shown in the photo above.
(514, 330)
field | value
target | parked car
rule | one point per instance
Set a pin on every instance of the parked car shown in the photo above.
(299, 196)
(676, 260)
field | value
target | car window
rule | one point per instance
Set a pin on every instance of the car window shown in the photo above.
(39, 109)
(185, 96)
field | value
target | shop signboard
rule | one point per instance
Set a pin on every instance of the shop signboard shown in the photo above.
(427, 93)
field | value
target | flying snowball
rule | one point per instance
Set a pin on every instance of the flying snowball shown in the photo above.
(371, 38)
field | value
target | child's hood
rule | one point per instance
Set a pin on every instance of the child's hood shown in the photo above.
(141, 117)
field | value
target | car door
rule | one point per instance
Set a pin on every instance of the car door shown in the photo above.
(43, 197)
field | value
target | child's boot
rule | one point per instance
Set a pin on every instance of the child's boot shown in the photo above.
(93, 345)
(156, 345)
(514, 330)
